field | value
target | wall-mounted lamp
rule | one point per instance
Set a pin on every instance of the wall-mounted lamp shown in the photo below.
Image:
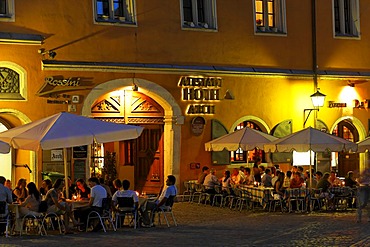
(51, 54)
(318, 100)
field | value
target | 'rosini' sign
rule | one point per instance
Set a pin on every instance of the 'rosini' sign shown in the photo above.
(59, 84)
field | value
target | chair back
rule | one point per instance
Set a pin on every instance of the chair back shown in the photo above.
(2, 207)
(43, 207)
(170, 201)
(126, 202)
(106, 202)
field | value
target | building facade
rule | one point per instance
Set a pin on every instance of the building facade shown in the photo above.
(188, 71)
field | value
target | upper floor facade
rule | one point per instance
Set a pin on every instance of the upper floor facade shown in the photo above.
(278, 34)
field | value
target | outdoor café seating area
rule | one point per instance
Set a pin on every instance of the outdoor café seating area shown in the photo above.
(259, 198)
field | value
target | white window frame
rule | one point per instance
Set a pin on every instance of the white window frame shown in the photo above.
(210, 17)
(128, 17)
(354, 20)
(279, 25)
(9, 16)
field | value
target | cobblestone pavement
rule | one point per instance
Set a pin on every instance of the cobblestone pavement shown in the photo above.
(213, 226)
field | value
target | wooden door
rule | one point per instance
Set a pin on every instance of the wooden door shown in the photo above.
(347, 161)
(149, 159)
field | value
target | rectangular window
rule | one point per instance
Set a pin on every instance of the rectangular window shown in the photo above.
(3, 8)
(346, 18)
(121, 11)
(7, 11)
(270, 16)
(199, 14)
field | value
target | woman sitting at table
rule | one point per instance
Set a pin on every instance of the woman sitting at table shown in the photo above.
(225, 181)
(58, 205)
(20, 191)
(350, 180)
(32, 202)
(279, 185)
(46, 185)
(82, 189)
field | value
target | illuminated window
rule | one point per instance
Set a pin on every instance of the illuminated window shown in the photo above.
(240, 156)
(346, 18)
(7, 10)
(116, 11)
(270, 15)
(199, 14)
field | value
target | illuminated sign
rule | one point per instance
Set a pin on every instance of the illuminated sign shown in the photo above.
(200, 90)
(54, 85)
(333, 104)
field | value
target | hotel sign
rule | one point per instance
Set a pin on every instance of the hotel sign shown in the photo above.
(202, 91)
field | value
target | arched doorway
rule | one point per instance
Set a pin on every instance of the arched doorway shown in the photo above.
(347, 161)
(145, 153)
(172, 118)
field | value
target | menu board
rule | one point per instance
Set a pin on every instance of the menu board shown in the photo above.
(79, 152)
(79, 169)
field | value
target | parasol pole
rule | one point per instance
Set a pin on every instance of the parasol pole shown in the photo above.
(65, 172)
(310, 187)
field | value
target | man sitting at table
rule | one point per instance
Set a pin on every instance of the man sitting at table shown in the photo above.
(297, 181)
(267, 179)
(169, 191)
(123, 191)
(98, 193)
(5, 196)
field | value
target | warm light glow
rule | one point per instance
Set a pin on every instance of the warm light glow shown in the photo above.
(303, 158)
(318, 99)
(347, 95)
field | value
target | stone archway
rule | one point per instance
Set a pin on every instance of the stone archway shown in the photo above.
(361, 134)
(172, 111)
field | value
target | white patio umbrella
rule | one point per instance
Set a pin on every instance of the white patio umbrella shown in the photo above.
(65, 130)
(310, 139)
(4, 147)
(247, 139)
(364, 145)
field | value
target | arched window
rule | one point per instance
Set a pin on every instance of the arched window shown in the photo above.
(244, 156)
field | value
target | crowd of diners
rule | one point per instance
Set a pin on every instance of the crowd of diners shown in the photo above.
(52, 197)
(279, 181)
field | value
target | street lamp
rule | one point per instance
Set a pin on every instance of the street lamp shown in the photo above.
(318, 100)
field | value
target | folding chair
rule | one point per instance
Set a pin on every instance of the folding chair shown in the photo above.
(166, 209)
(126, 207)
(103, 216)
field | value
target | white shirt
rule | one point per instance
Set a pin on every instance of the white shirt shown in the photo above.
(210, 181)
(98, 193)
(167, 192)
(125, 193)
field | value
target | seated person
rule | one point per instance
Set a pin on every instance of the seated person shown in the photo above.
(82, 190)
(334, 180)
(210, 181)
(71, 189)
(324, 185)
(106, 187)
(350, 181)
(46, 185)
(123, 191)
(296, 181)
(20, 191)
(248, 177)
(98, 193)
(167, 192)
(32, 202)
(56, 204)
(267, 179)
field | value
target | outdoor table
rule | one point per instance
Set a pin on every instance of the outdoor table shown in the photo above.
(77, 204)
(14, 208)
(259, 194)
